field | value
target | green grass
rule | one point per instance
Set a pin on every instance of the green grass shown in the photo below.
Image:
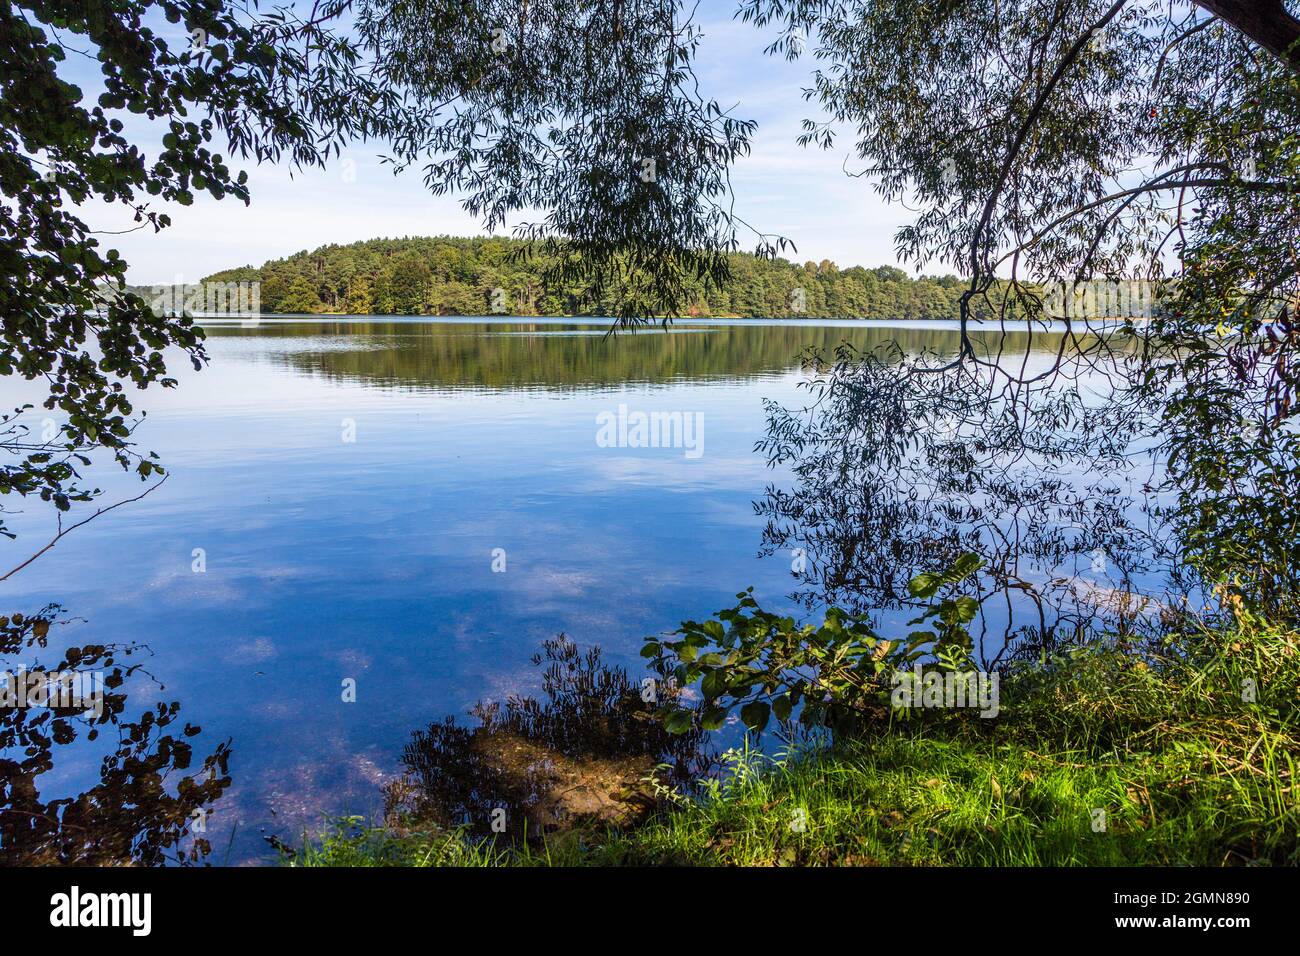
(1186, 771)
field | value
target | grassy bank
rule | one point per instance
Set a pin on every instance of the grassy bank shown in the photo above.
(1187, 745)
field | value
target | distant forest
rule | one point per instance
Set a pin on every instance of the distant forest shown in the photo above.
(461, 276)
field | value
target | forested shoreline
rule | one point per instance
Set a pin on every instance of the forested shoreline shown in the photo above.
(1030, 590)
(483, 275)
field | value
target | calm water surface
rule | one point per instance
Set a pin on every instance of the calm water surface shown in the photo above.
(372, 559)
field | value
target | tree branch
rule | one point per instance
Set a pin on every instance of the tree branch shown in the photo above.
(1026, 126)
(1267, 22)
(1158, 183)
(62, 530)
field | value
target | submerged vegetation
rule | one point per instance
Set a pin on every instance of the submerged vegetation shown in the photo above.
(530, 768)
(1175, 744)
(1038, 142)
(1177, 749)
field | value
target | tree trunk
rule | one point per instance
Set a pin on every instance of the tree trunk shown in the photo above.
(1267, 22)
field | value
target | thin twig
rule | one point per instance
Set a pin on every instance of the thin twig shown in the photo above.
(62, 530)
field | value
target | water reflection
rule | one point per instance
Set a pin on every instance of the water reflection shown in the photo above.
(150, 803)
(578, 757)
(566, 355)
(372, 559)
(903, 464)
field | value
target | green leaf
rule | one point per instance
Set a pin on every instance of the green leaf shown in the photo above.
(755, 715)
(924, 585)
(714, 718)
(964, 566)
(967, 608)
(782, 706)
(678, 722)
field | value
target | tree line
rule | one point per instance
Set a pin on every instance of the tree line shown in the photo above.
(448, 275)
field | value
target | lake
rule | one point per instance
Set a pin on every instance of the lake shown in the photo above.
(413, 506)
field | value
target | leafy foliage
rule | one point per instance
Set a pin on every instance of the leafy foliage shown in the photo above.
(151, 786)
(274, 86)
(460, 276)
(835, 675)
(586, 110)
(1073, 140)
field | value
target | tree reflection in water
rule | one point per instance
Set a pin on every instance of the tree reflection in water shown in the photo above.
(146, 809)
(581, 756)
(899, 462)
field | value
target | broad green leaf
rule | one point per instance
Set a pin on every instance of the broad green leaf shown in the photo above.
(755, 715)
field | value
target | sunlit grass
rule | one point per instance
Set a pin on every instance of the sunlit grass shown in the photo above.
(1166, 744)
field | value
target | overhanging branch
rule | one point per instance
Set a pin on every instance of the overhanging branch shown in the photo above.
(1267, 22)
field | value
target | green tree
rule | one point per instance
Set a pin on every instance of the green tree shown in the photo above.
(357, 300)
(458, 298)
(1068, 141)
(275, 87)
(273, 290)
(301, 297)
(407, 285)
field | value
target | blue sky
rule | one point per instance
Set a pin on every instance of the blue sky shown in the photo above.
(782, 187)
